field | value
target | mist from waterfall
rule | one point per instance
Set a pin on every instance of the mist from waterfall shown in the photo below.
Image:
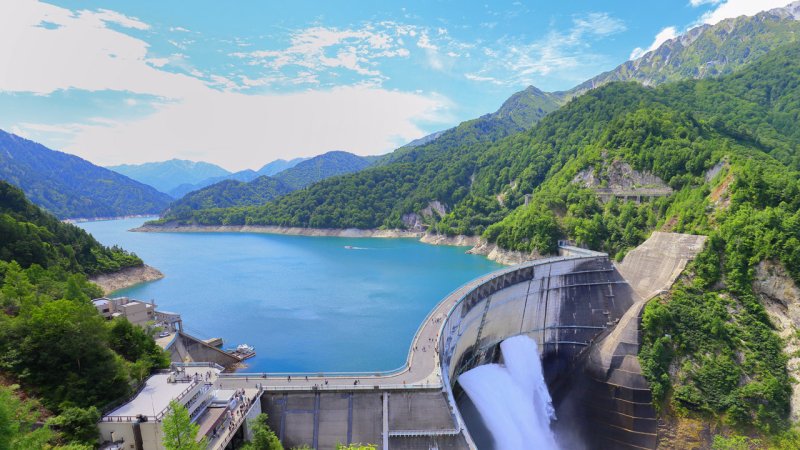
(512, 398)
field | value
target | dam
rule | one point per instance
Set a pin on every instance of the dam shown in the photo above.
(582, 310)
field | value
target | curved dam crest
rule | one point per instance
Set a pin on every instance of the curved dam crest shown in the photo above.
(581, 309)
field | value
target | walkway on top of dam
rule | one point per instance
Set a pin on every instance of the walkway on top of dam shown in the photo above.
(422, 369)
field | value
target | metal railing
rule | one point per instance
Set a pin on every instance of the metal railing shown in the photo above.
(147, 417)
(352, 387)
(226, 439)
(200, 364)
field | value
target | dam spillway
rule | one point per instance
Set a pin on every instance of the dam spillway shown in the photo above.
(581, 309)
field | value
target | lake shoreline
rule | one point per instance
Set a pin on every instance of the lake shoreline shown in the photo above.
(76, 220)
(125, 278)
(478, 245)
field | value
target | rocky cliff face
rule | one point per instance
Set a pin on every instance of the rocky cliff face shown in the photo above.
(618, 175)
(781, 297)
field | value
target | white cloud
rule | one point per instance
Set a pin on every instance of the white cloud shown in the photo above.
(238, 130)
(697, 3)
(515, 63)
(596, 24)
(663, 36)
(476, 77)
(736, 8)
(81, 53)
(322, 48)
(424, 42)
(202, 116)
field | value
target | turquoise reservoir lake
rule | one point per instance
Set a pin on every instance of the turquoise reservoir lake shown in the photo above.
(305, 303)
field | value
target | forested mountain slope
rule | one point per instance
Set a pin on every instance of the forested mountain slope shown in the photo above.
(269, 169)
(756, 107)
(185, 188)
(29, 236)
(167, 175)
(323, 166)
(71, 187)
(53, 341)
(230, 193)
(278, 166)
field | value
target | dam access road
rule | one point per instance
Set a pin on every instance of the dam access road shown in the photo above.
(414, 407)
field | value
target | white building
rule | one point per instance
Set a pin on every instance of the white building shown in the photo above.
(220, 413)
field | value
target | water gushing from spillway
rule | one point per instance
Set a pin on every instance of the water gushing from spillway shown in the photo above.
(513, 399)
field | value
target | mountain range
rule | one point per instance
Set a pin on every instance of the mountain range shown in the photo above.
(168, 175)
(178, 177)
(233, 193)
(71, 187)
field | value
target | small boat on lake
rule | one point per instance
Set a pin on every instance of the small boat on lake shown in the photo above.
(243, 351)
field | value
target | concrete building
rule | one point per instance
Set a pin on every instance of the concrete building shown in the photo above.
(222, 414)
(137, 312)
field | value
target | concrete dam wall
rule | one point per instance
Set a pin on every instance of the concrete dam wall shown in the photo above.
(584, 313)
(564, 304)
(582, 310)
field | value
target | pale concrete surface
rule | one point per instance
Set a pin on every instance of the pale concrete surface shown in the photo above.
(657, 262)
(158, 392)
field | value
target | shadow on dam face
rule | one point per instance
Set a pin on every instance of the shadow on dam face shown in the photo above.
(570, 307)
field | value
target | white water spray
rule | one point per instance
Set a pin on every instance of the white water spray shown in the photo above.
(512, 399)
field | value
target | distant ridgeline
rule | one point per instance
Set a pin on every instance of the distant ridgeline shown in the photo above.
(230, 192)
(717, 156)
(269, 169)
(52, 339)
(71, 187)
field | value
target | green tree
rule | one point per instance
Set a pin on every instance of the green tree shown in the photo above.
(179, 431)
(356, 447)
(63, 351)
(17, 419)
(16, 290)
(74, 291)
(263, 436)
(78, 425)
(135, 345)
(7, 420)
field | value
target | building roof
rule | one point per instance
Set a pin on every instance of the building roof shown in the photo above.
(157, 393)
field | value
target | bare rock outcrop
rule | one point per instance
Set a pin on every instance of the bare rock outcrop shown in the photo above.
(501, 255)
(781, 298)
(110, 282)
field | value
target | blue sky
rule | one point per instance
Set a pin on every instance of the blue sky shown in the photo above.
(129, 82)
